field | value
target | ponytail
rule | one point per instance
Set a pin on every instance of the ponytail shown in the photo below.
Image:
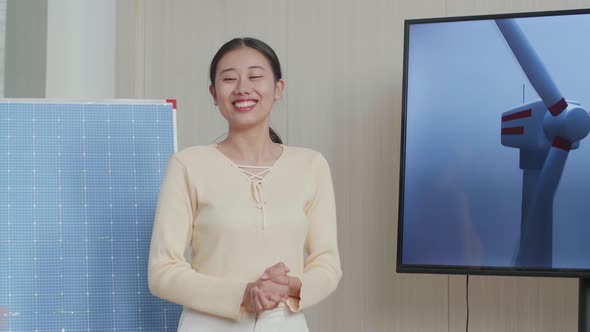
(274, 136)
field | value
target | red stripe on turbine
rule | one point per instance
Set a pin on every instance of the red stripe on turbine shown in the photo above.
(562, 143)
(558, 107)
(172, 101)
(517, 115)
(513, 131)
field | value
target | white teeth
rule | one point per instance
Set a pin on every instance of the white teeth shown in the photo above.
(245, 103)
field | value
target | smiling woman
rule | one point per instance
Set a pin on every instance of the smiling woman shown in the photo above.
(247, 208)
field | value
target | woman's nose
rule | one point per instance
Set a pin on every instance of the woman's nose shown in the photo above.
(242, 87)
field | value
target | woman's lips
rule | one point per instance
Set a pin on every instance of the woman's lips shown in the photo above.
(244, 105)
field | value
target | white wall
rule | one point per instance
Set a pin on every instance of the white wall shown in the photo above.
(2, 43)
(81, 49)
(24, 60)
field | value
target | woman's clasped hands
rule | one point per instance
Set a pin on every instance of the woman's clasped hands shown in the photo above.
(271, 289)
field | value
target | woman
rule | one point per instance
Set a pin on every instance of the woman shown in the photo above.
(247, 208)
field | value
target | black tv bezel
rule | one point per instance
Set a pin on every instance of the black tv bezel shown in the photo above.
(452, 269)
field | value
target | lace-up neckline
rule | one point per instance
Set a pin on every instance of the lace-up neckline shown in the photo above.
(256, 179)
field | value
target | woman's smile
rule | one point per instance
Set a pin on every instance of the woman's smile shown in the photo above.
(244, 105)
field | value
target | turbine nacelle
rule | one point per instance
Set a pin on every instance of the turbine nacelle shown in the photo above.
(530, 127)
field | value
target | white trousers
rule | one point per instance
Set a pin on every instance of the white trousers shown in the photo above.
(277, 320)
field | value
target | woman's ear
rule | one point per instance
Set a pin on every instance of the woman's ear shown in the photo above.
(212, 92)
(279, 88)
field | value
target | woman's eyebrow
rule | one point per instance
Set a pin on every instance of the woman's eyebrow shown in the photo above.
(226, 70)
(251, 67)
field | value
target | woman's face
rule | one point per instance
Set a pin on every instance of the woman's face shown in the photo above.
(245, 88)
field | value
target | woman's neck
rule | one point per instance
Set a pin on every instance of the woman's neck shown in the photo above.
(251, 148)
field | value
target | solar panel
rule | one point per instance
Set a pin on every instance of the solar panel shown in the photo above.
(78, 190)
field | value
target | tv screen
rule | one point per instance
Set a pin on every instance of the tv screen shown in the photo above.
(495, 158)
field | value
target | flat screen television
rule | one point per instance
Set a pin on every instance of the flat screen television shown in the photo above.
(495, 158)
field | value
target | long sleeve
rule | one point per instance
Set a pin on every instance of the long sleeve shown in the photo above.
(170, 276)
(322, 271)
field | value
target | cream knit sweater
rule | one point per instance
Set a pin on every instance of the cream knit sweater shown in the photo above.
(233, 226)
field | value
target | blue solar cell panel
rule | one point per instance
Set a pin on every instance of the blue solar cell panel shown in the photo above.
(78, 190)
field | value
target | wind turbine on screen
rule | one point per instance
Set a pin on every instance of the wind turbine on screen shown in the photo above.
(545, 131)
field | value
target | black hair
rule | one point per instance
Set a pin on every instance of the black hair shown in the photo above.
(261, 47)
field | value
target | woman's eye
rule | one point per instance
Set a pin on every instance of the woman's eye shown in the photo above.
(228, 79)
(255, 76)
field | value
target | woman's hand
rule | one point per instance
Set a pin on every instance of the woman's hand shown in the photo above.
(274, 274)
(269, 290)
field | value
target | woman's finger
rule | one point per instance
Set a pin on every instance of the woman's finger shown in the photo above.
(278, 299)
(253, 302)
(266, 300)
(269, 287)
(281, 280)
(259, 307)
(274, 271)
